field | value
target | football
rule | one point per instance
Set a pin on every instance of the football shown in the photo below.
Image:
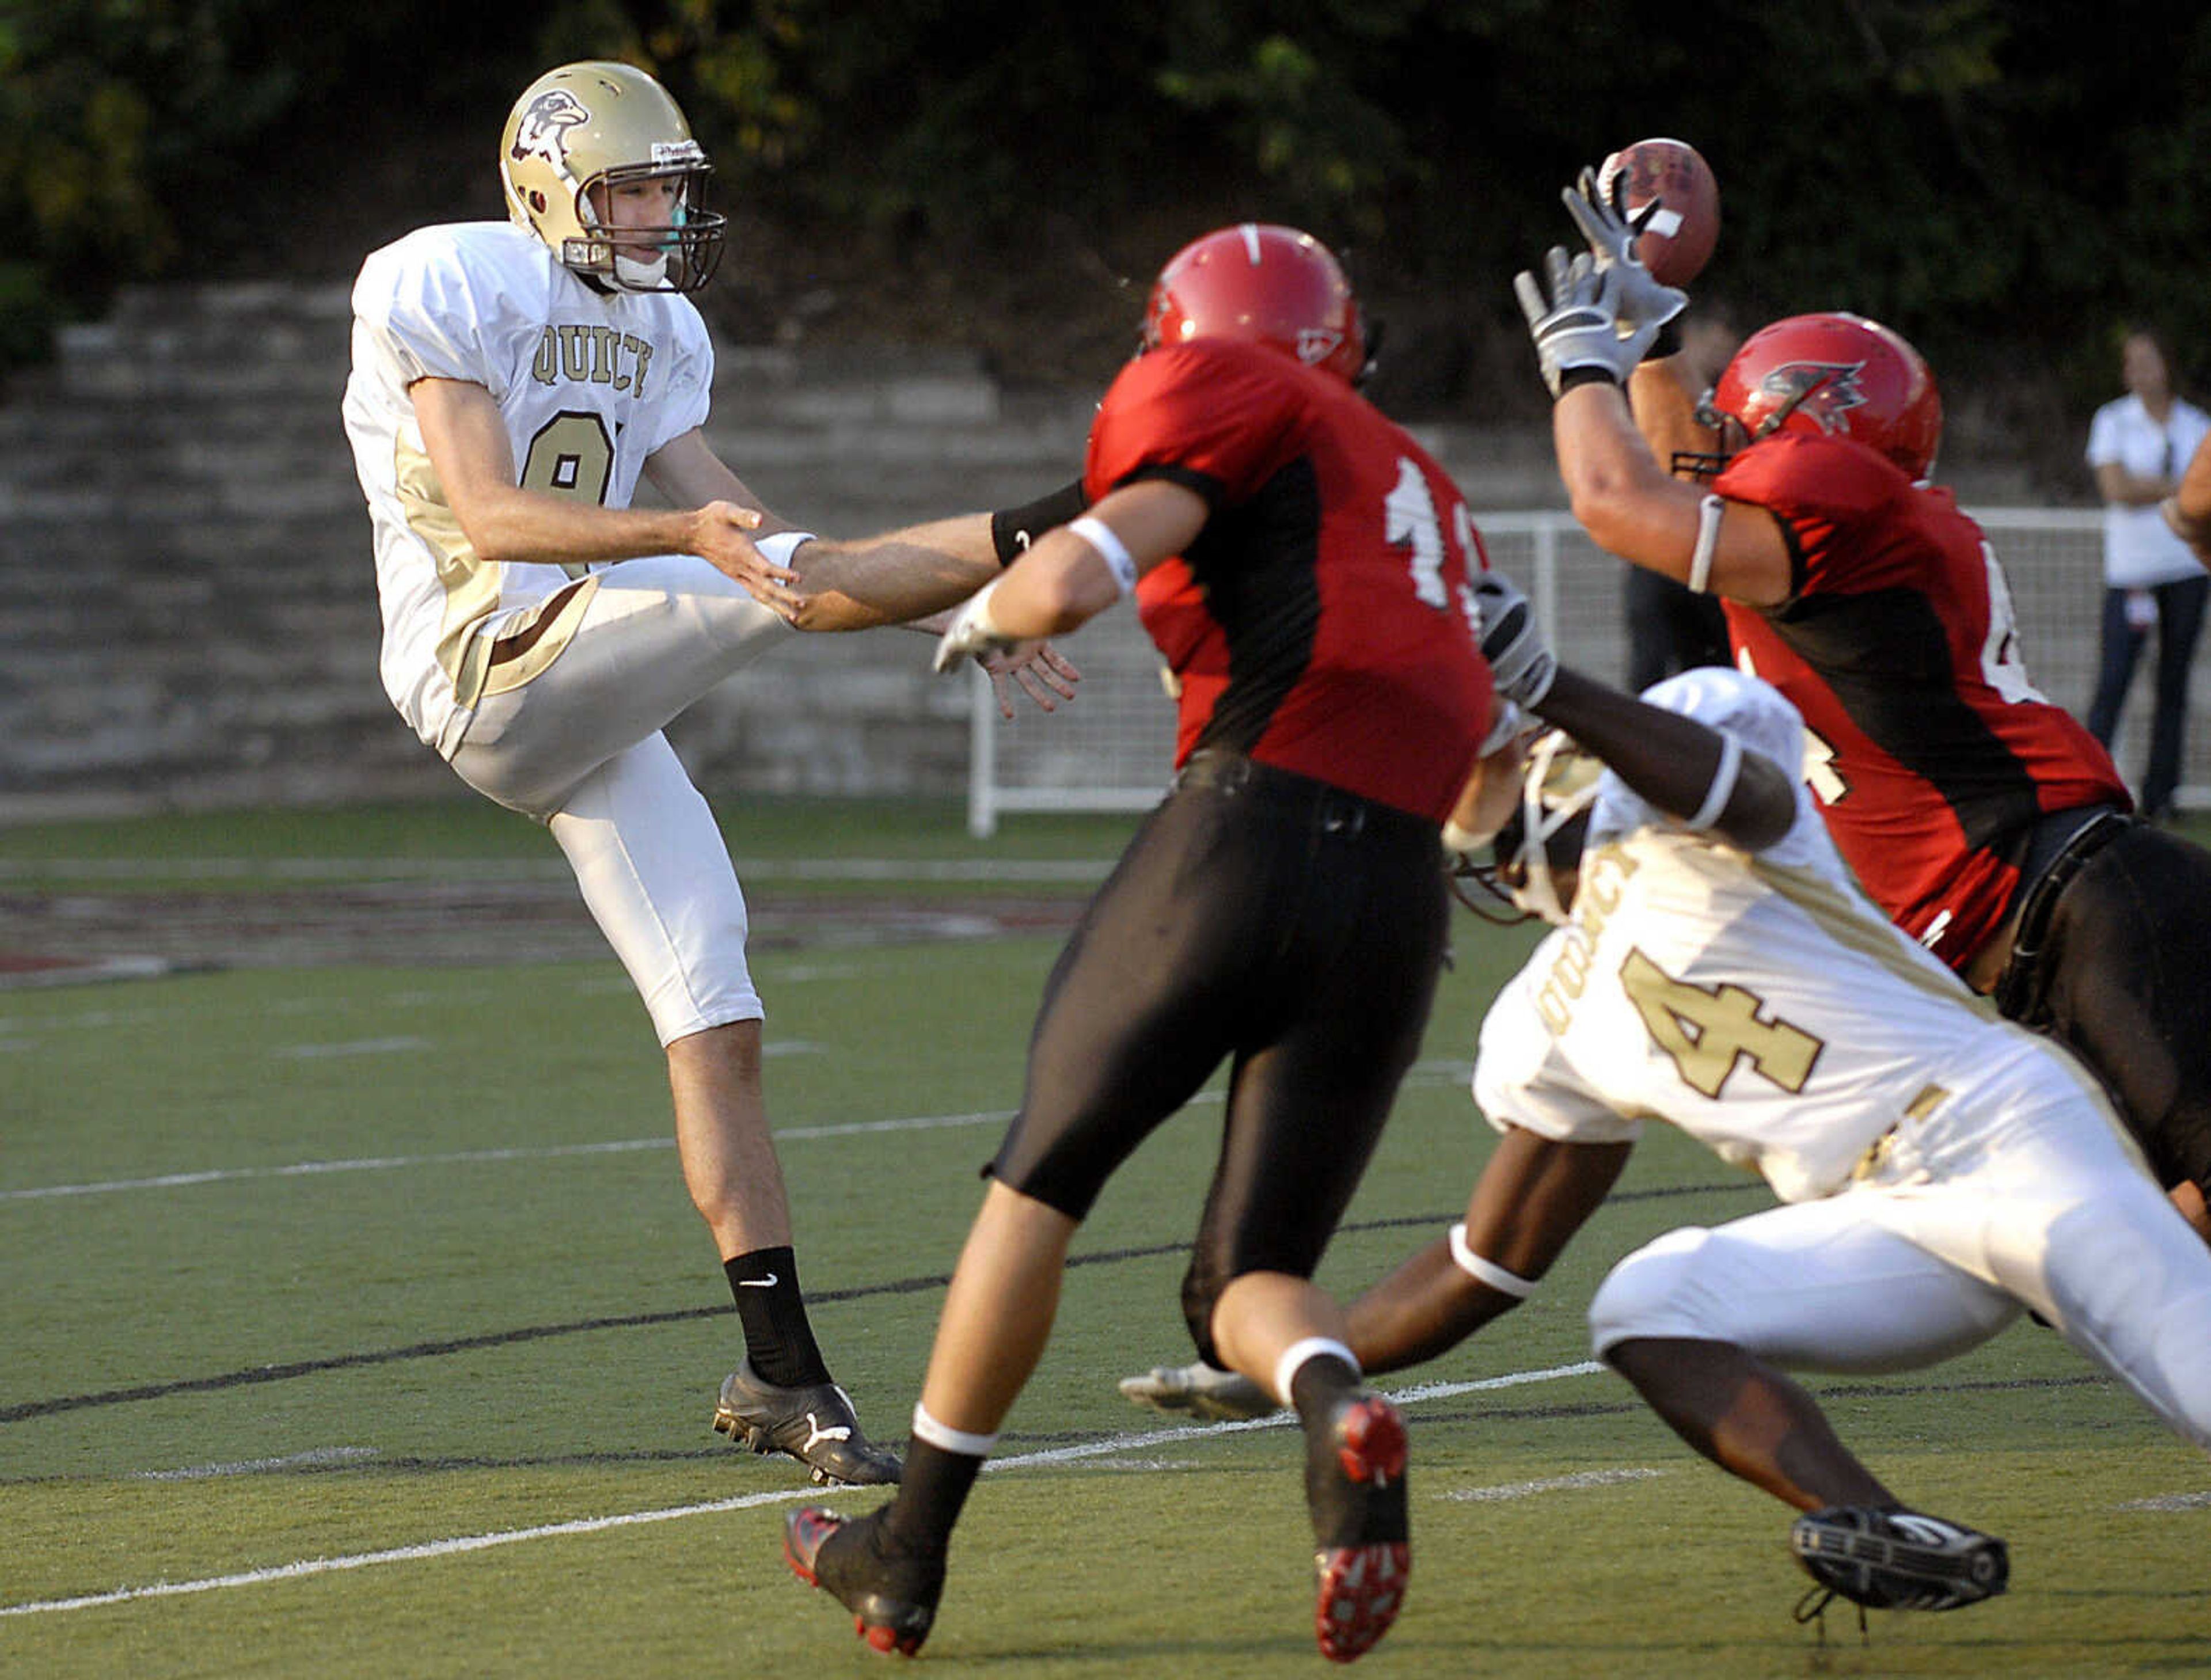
(1679, 241)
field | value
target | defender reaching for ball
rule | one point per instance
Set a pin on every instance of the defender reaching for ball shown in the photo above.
(1307, 572)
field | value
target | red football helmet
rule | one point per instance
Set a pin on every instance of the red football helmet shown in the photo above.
(1839, 374)
(1264, 284)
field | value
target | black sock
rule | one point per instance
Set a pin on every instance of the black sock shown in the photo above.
(1319, 1384)
(779, 1339)
(931, 1490)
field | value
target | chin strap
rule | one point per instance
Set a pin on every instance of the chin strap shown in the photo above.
(638, 277)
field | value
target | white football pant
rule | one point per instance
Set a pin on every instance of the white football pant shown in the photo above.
(2019, 1191)
(579, 748)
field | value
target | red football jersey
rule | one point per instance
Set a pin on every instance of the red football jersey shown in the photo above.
(1931, 752)
(1321, 621)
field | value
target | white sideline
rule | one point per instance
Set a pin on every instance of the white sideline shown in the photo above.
(474, 1543)
(1426, 1072)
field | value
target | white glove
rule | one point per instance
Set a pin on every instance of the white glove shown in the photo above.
(1521, 663)
(1579, 324)
(972, 633)
(1640, 300)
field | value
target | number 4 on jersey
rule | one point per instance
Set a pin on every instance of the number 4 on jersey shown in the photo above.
(1705, 1029)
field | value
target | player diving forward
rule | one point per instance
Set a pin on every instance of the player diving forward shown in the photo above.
(1941, 1169)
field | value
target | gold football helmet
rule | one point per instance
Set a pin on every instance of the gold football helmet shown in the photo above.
(601, 125)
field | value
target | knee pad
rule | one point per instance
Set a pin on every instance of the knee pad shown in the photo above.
(1645, 1294)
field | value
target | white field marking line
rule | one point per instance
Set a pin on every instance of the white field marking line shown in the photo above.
(317, 1053)
(1423, 1073)
(307, 1461)
(1117, 1445)
(1552, 1484)
(2168, 1502)
(368, 871)
(300, 1169)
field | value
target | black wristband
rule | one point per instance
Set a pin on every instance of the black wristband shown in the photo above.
(1013, 529)
(1587, 374)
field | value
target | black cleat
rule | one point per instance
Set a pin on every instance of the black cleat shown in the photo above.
(1895, 1560)
(893, 1596)
(1355, 1489)
(815, 1424)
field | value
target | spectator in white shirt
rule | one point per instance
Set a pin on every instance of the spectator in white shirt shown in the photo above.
(2137, 448)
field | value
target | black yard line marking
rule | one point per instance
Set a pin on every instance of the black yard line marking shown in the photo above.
(292, 1369)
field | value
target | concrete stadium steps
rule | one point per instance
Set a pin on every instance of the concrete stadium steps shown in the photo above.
(189, 617)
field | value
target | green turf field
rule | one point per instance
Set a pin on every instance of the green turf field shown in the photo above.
(355, 1322)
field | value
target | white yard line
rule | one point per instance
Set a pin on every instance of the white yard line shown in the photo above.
(310, 1460)
(1137, 1442)
(298, 1170)
(1552, 1484)
(365, 870)
(1426, 1074)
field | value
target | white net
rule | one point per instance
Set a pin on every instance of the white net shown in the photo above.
(1112, 749)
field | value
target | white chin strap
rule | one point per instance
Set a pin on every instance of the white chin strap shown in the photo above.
(641, 277)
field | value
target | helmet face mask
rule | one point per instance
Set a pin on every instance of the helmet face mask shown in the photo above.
(1837, 375)
(577, 136)
(1536, 859)
(1263, 284)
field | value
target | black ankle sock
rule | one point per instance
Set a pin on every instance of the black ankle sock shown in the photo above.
(779, 1339)
(931, 1490)
(1319, 1384)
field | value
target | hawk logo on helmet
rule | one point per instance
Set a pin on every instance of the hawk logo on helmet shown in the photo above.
(1794, 384)
(542, 131)
(1317, 344)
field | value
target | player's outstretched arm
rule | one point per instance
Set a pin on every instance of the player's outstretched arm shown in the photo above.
(1076, 570)
(465, 437)
(1533, 1195)
(1684, 768)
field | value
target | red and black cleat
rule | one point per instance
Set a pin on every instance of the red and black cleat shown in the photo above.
(892, 1597)
(1355, 1486)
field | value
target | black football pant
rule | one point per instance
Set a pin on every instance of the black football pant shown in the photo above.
(2122, 976)
(1292, 928)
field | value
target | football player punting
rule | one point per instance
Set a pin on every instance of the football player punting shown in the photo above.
(1307, 572)
(512, 381)
(1940, 1169)
(1984, 819)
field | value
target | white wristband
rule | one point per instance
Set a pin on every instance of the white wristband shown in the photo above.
(1111, 549)
(1723, 780)
(1488, 1272)
(777, 549)
(949, 1439)
(1708, 539)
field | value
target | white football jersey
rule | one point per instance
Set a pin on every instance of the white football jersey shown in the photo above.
(590, 384)
(1761, 1003)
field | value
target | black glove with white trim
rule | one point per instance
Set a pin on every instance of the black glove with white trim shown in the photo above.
(1521, 663)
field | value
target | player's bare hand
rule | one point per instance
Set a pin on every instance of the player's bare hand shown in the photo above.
(1042, 671)
(721, 534)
